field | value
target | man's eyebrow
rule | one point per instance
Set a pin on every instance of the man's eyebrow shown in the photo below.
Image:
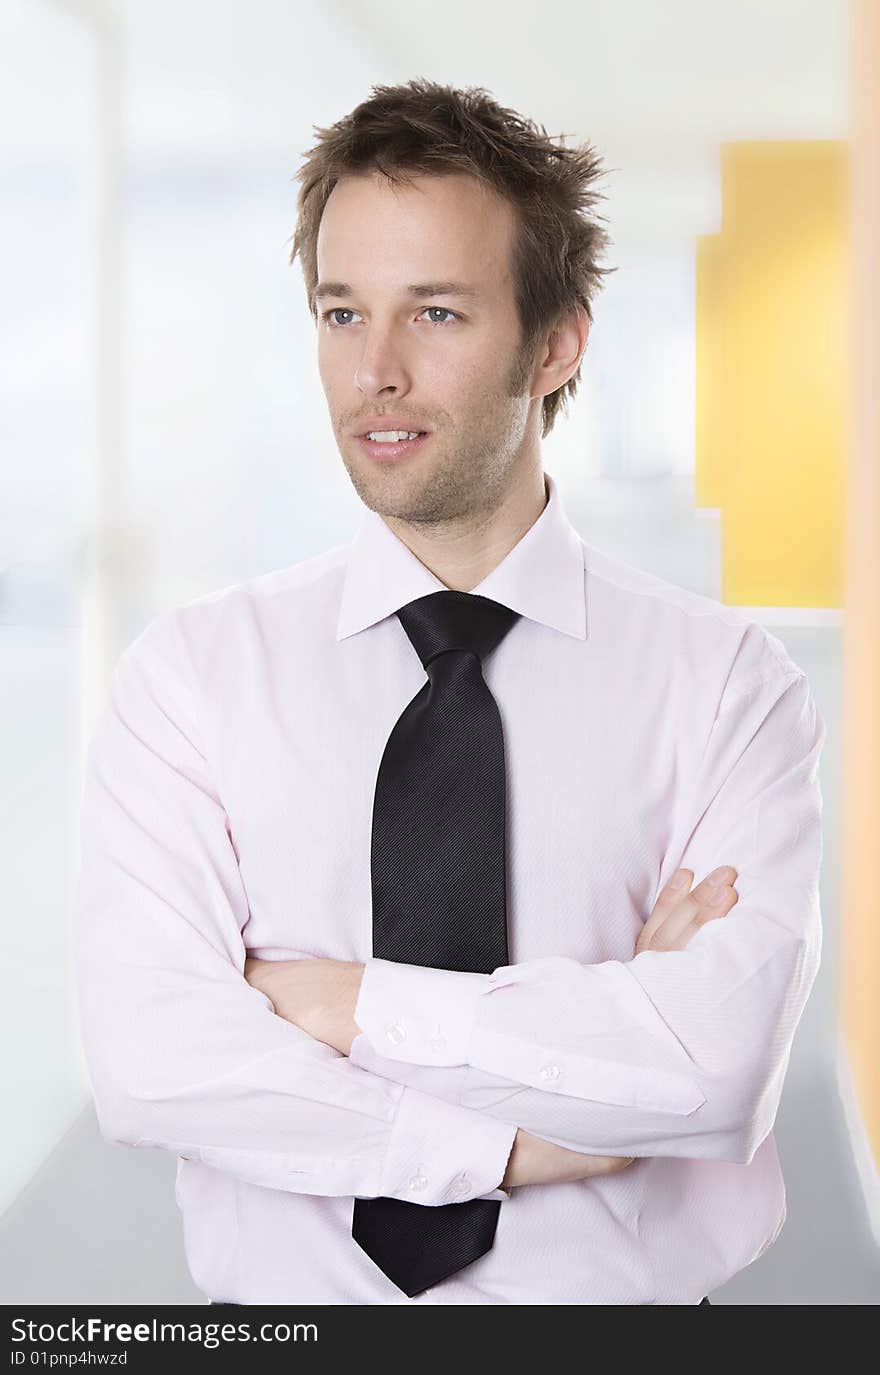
(420, 290)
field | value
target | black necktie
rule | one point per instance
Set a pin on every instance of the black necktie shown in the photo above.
(438, 883)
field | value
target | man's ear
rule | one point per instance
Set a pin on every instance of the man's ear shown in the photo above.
(559, 358)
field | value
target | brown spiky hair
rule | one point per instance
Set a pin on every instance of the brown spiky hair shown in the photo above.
(424, 128)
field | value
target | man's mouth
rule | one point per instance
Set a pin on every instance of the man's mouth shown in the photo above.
(385, 445)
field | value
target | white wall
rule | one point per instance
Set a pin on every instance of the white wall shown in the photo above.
(225, 464)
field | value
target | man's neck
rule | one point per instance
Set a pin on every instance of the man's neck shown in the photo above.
(461, 558)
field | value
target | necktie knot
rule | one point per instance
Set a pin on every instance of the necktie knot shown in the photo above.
(447, 620)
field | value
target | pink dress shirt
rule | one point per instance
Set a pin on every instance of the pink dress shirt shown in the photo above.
(227, 810)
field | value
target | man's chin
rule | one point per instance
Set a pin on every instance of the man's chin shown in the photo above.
(419, 493)
(390, 489)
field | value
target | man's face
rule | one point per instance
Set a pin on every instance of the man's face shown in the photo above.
(443, 363)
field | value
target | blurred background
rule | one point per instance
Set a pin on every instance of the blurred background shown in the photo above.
(163, 433)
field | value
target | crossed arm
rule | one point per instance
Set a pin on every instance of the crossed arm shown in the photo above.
(321, 997)
(679, 1051)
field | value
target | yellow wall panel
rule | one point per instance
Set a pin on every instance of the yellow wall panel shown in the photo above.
(771, 372)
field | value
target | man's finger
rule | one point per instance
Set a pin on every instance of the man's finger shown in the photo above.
(704, 891)
(670, 896)
(701, 904)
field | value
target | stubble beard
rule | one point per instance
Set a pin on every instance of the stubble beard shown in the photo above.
(464, 479)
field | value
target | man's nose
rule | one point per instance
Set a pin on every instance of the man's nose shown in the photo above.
(382, 365)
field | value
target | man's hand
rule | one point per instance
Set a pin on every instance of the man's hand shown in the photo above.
(678, 914)
(318, 995)
(676, 917)
(533, 1160)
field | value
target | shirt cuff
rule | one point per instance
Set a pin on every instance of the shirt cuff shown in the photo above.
(440, 1153)
(420, 1015)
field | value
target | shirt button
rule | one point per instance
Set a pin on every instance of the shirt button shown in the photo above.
(460, 1184)
(395, 1032)
(550, 1072)
(418, 1180)
(438, 1042)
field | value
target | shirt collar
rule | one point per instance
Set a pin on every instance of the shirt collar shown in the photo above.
(542, 577)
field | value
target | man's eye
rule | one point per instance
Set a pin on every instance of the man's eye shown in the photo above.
(444, 311)
(336, 310)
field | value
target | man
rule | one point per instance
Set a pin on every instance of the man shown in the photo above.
(378, 927)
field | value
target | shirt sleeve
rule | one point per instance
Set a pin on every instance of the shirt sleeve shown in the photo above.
(675, 1053)
(181, 1052)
